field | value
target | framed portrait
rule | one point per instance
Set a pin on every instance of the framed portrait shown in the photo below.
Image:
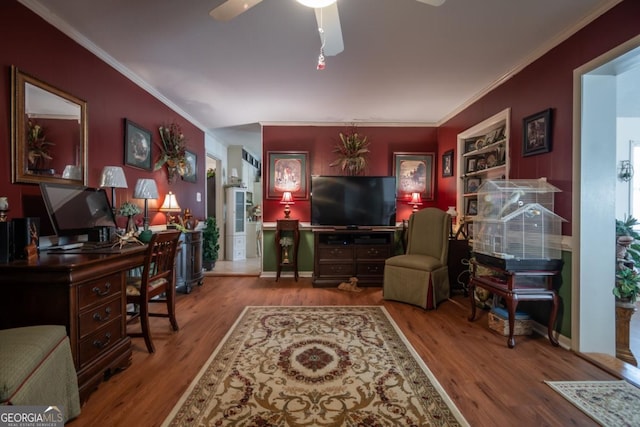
(137, 146)
(472, 185)
(471, 164)
(472, 207)
(414, 173)
(288, 171)
(447, 164)
(536, 138)
(191, 167)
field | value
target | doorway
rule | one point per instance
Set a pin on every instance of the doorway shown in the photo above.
(601, 96)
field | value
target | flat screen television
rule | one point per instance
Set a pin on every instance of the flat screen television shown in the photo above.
(75, 210)
(353, 201)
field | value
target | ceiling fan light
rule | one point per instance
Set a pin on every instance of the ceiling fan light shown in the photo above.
(316, 4)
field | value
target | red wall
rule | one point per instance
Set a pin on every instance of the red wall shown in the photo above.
(546, 83)
(319, 142)
(37, 48)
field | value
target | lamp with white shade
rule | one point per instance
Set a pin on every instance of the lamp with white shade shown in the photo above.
(145, 189)
(170, 206)
(113, 176)
(287, 199)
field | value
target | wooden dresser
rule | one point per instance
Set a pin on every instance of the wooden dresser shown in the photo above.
(85, 293)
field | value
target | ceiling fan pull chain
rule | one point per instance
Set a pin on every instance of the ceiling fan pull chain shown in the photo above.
(321, 63)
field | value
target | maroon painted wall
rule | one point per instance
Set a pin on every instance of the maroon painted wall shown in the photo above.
(37, 48)
(319, 142)
(546, 83)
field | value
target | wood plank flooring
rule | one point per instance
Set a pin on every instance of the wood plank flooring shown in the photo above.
(491, 384)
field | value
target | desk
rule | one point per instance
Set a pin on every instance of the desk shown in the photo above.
(516, 286)
(85, 293)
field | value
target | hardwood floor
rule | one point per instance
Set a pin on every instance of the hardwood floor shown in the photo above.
(491, 384)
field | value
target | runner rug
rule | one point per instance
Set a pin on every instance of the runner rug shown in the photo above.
(610, 403)
(315, 366)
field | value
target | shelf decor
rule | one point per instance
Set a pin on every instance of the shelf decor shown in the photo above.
(414, 173)
(287, 171)
(537, 133)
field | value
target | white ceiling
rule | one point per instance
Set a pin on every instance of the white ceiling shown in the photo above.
(404, 62)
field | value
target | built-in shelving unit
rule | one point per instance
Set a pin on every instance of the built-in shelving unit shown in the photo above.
(483, 153)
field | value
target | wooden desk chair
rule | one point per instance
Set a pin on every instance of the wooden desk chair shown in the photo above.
(158, 277)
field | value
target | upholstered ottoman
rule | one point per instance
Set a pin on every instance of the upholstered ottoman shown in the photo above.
(36, 368)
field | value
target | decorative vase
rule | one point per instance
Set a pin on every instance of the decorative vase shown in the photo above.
(285, 255)
(172, 173)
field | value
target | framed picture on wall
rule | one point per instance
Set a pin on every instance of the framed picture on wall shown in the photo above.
(137, 146)
(447, 164)
(414, 173)
(536, 138)
(288, 171)
(191, 167)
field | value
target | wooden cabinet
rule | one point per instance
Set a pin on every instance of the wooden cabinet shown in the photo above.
(483, 153)
(83, 292)
(236, 224)
(458, 263)
(189, 261)
(341, 254)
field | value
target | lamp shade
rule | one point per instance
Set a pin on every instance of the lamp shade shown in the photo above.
(72, 172)
(170, 204)
(415, 199)
(113, 176)
(145, 189)
(287, 198)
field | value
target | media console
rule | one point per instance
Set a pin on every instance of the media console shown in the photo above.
(343, 253)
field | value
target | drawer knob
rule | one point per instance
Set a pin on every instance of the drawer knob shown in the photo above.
(102, 344)
(98, 292)
(98, 318)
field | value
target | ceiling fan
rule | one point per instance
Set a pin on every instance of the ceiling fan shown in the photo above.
(326, 16)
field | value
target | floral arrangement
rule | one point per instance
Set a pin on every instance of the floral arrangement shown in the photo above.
(352, 151)
(286, 241)
(128, 209)
(211, 173)
(173, 146)
(37, 146)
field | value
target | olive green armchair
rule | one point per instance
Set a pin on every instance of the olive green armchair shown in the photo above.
(421, 276)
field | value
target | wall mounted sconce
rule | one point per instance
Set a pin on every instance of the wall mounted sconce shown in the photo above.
(113, 176)
(145, 189)
(287, 199)
(170, 206)
(416, 201)
(625, 171)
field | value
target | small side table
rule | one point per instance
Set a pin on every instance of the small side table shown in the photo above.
(287, 228)
(516, 286)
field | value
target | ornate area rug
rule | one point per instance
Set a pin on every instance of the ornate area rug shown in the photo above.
(610, 403)
(315, 366)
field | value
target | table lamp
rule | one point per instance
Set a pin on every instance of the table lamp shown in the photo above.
(416, 201)
(170, 205)
(287, 199)
(454, 215)
(113, 176)
(145, 189)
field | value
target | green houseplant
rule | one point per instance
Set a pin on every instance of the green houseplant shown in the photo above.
(627, 287)
(628, 240)
(210, 245)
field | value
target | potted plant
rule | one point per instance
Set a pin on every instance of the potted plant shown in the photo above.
(627, 240)
(172, 151)
(210, 245)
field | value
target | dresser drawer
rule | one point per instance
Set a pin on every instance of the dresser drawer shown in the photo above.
(336, 269)
(370, 268)
(99, 291)
(335, 252)
(100, 341)
(96, 317)
(373, 252)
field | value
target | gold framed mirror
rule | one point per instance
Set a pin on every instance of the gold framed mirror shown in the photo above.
(48, 133)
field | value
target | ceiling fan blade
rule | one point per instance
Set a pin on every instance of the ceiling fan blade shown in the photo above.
(231, 8)
(432, 2)
(329, 20)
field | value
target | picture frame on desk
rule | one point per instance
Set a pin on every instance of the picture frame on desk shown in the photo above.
(288, 171)
(414, 173)
(137, 146)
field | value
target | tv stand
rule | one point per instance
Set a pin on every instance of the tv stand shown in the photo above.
(343, 253)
